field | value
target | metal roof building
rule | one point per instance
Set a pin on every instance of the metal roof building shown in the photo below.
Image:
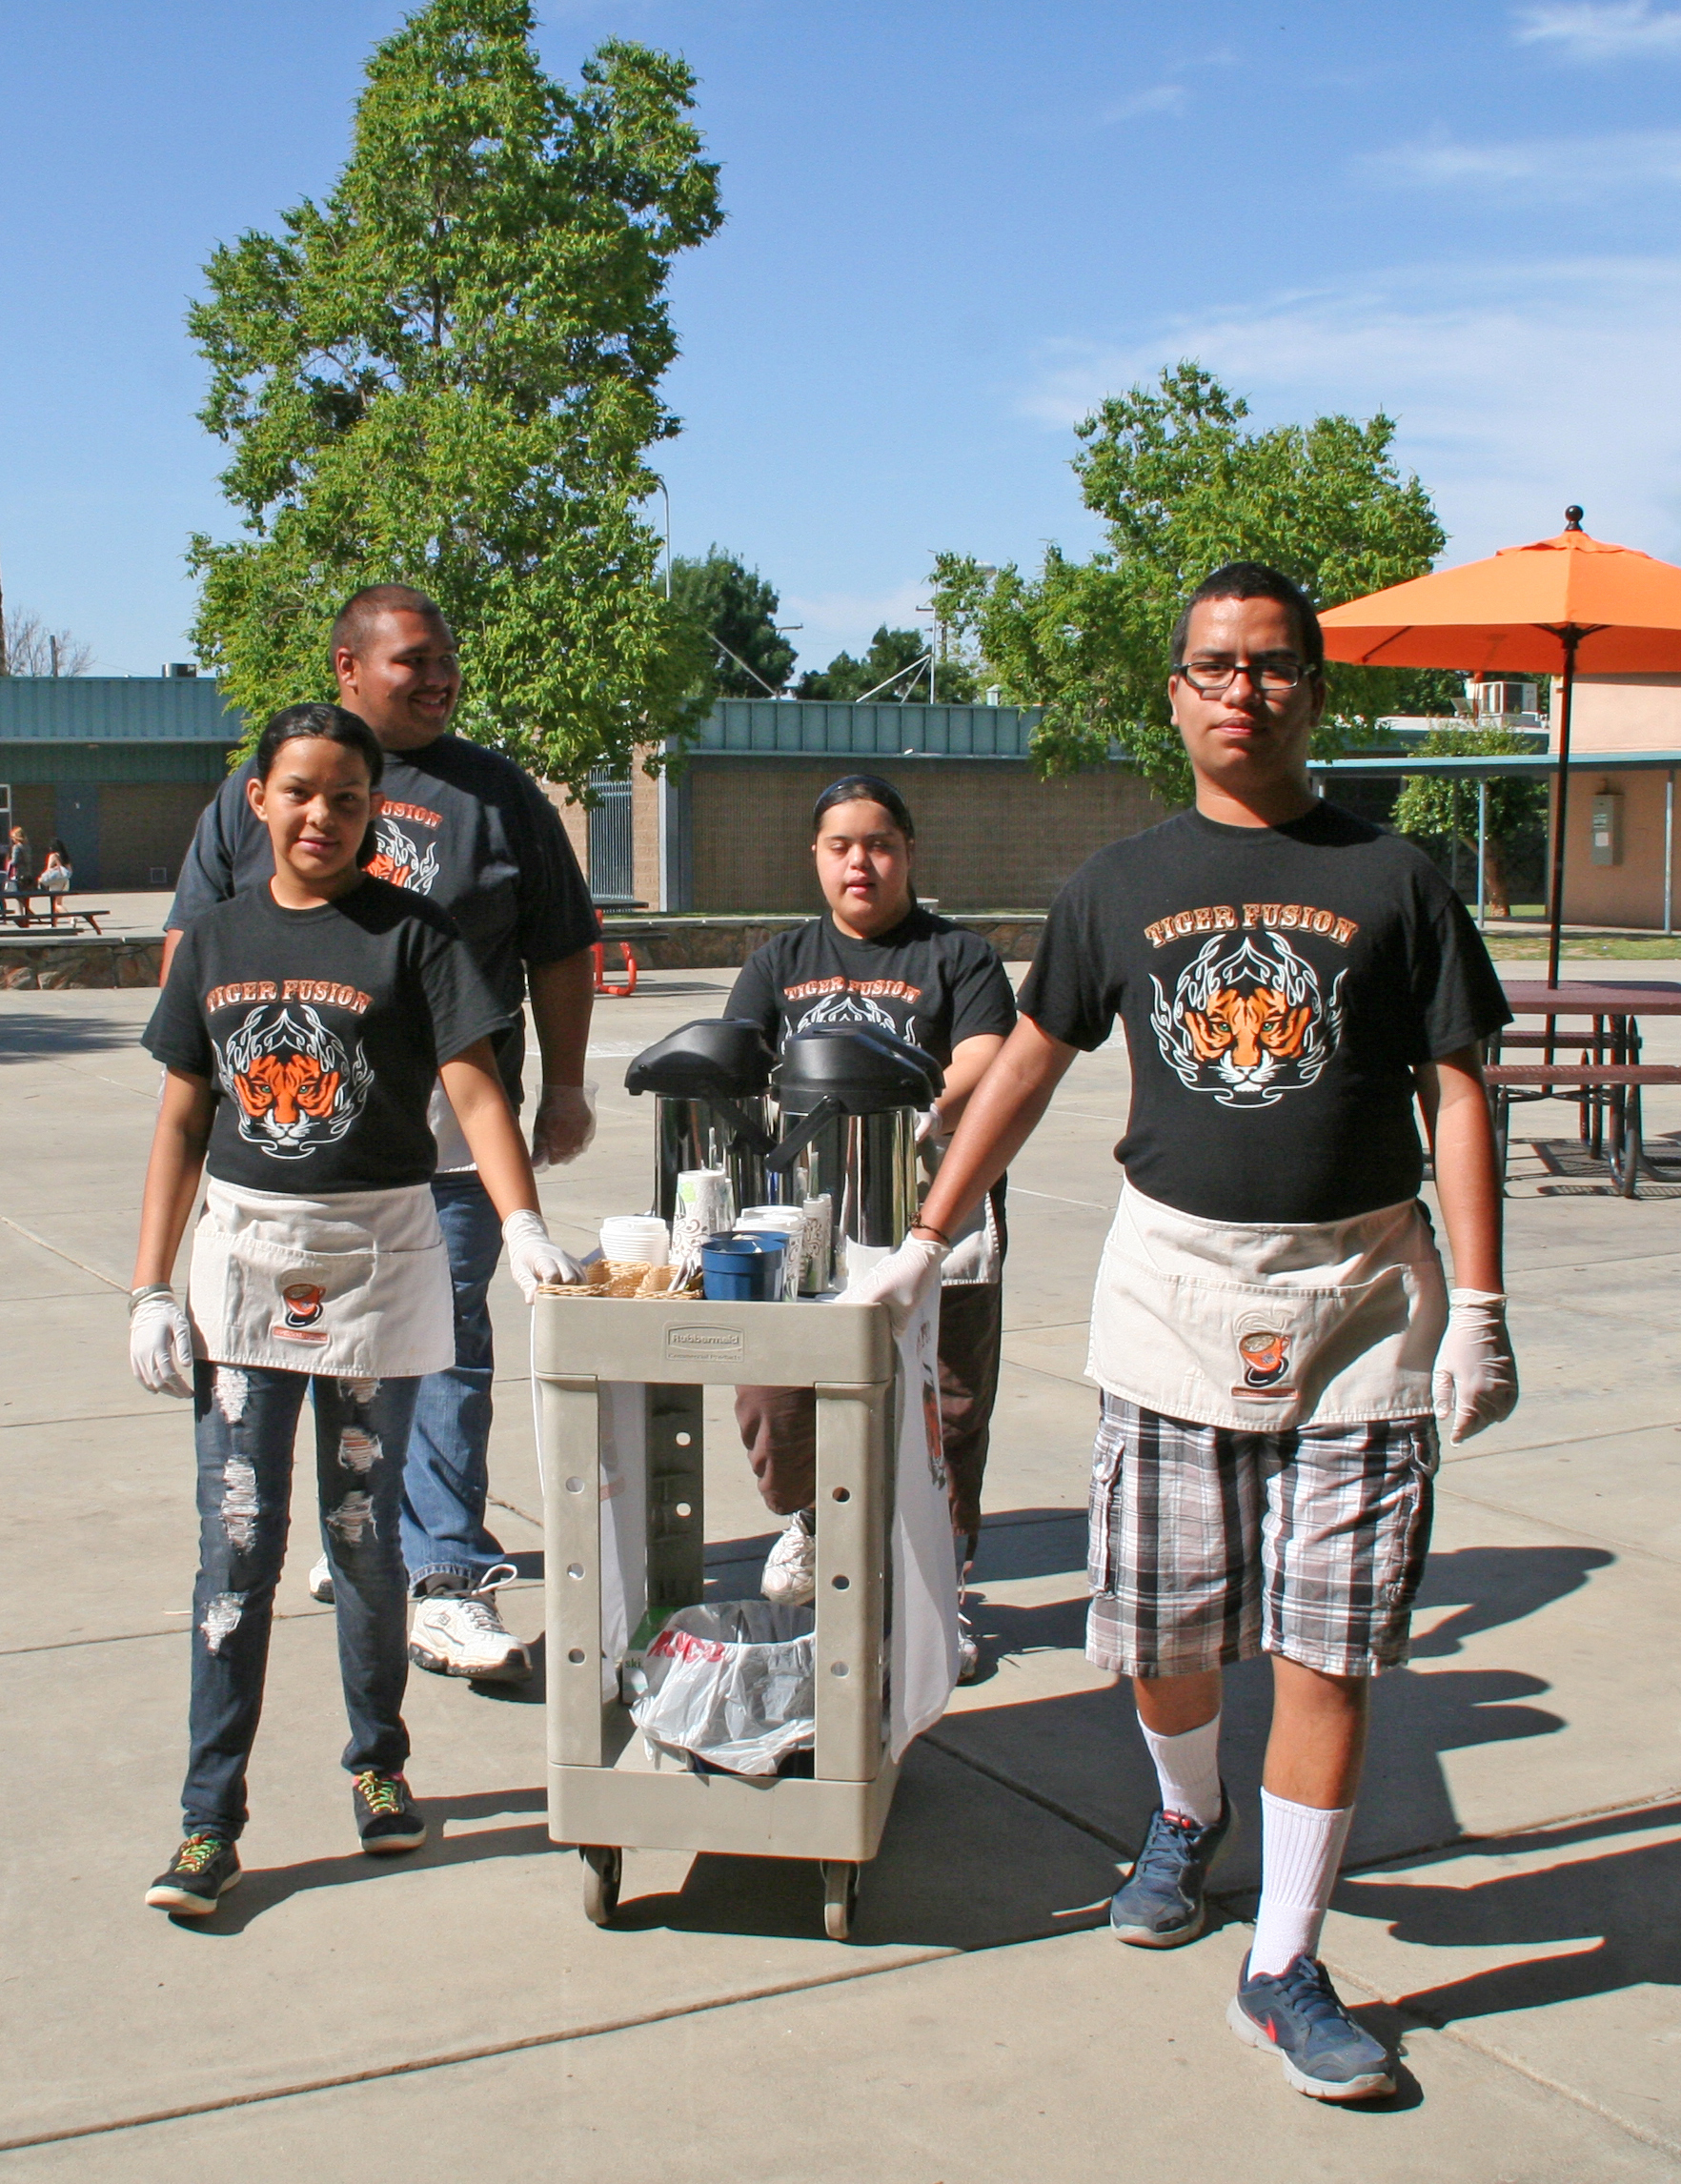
(115, 767)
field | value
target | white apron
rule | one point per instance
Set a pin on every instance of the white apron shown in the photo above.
(356, 1285)
(1262, 1329)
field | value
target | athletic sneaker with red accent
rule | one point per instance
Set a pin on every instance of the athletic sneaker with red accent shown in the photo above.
(1297, 2015)
(1162, 1905)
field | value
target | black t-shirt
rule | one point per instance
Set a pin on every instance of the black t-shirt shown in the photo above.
(461, 825)
(1278, 987)
(926, 981)
(321, 1032)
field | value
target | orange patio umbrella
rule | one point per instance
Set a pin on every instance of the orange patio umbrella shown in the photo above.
(1562, 604)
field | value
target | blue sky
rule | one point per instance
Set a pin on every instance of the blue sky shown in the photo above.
(952, 228)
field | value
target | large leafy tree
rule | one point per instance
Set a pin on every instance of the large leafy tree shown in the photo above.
(735, 608)
(1441, 808)
(1183, 485)
(447, 374)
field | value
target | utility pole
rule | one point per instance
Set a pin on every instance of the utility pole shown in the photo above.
(5, 663)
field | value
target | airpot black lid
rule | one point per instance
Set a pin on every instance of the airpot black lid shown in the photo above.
(863, 1069)
(721, 1058)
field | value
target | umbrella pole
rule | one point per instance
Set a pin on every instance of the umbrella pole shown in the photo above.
(1561, 803)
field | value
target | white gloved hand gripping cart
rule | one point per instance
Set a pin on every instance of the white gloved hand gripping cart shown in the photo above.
(590, 1358)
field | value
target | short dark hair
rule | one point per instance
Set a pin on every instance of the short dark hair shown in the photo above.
(353, 622)
(866, 789)
(1255, 580)
(330, 724)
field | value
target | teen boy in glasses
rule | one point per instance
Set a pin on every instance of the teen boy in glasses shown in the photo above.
(1271, 1329)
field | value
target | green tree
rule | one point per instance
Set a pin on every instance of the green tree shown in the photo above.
(1435, 807)
(1182, 486)
(733, 606)
(447, 374)
(891, 654)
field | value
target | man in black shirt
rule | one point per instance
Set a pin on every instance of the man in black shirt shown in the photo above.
(1270, 1329)
(466, 828)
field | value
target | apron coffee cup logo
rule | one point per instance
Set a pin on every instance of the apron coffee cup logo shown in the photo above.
(304, 1302)
(1264, 1352)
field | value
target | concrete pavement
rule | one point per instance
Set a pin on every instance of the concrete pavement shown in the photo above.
(1509, 1911)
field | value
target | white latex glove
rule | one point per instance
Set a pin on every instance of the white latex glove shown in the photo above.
(563, 1124)
(533, 1259)
(899, 1279)
(1476, 1382)
(160, 1344)
(928, 1126)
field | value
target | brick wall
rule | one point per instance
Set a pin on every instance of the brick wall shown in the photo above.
(645, 837)
(146, 825)
(32, 809)
(576, 822)
(991, 833)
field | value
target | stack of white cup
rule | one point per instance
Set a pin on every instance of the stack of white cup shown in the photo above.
(635, 1240)
(787, 1221)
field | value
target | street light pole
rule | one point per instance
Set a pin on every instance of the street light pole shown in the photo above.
(666, 498)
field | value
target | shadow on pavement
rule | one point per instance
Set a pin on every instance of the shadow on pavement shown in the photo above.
(264, 1888)
(962, 1864)
(1623, 1905)
(26, 1035)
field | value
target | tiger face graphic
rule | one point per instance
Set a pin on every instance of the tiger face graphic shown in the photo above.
(1247, 1022)
(397, 858)
(293, 1083)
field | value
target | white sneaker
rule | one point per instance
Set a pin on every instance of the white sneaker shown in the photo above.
(790, 1569)
(462, 1634)
(321, 1581)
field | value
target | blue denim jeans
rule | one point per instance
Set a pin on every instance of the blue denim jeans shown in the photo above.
(246, 1420)
(447, 1475)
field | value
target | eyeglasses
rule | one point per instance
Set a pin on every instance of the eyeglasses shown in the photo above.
(1269, 671)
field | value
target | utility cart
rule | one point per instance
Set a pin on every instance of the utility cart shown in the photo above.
(601, 1362)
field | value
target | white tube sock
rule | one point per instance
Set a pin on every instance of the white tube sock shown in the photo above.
(1301, 1849)
(1188, 1768)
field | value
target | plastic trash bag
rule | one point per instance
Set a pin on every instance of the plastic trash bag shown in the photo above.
(733, 1684)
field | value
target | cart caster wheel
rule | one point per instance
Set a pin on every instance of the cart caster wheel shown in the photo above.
(840, 1897)
(603, 1870)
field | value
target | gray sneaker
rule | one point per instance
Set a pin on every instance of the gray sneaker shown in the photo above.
(1297, 2015)
(1161, 1905)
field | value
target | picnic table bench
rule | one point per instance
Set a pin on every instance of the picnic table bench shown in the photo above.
(1607, 1082)
(57, 914)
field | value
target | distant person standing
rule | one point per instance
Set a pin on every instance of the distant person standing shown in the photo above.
(467, 828)
(55, 875)
(18, 874)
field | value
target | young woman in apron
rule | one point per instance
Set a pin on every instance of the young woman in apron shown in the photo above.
(878, 957)
(301, 1030)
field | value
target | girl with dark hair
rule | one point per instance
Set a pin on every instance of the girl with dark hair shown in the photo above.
(878, 957)
(301, 1030)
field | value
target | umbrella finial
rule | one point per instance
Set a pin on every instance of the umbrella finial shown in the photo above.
(1572, 518)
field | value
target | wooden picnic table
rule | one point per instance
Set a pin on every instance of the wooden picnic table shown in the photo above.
(1609, 1078)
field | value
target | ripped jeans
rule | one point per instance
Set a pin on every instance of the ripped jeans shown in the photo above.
(246, 1420)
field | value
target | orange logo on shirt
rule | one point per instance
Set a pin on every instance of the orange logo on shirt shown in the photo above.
(1248, 1020)
(397, 858)
(295, 1083)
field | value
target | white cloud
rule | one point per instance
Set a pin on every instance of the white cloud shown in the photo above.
(1516, 388)
(1555, 167)
(1160, 99)
(845, 621)
(1589, 31)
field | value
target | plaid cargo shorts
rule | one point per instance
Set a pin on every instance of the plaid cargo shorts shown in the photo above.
(1209, 1547)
